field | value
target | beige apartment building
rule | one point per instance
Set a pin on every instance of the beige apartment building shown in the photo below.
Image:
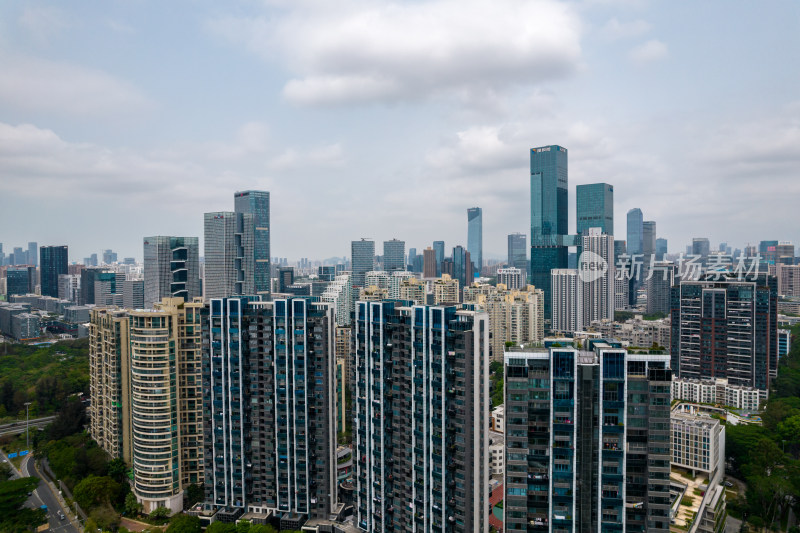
(514, 315)
(145, 371)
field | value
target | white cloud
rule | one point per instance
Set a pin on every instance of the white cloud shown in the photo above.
(40, 85)
(649, 52)
(358, 51)
(43, 23)
(614, 29)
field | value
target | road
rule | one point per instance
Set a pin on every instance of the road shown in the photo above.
(42, 495)
(19, 427)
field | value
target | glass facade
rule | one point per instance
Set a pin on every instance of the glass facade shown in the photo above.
(438, 248)
(517, 251)
(171, 268)
(394, 255)
(549, 217)
(595, 207)
(53, 261)
(256, 203)
(475, 236)
(635, 222)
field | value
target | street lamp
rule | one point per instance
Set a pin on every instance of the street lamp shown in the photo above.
(27, 431)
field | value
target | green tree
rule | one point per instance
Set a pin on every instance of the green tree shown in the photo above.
(117, 470)
(219, 527)
(95, 491)
(243, 526)
(70, 419)
(106, 518)
(182, 523)
(261, 528)
(14, 516)
(192, 495)
(132, 505)
(160, 513)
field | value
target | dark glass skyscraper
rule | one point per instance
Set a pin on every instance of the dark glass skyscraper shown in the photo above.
(549, 222)
(595, 207)
(635, 223)
(475, 236)
(53, 261)
(438, 248)
(257, 204)
(517, 253)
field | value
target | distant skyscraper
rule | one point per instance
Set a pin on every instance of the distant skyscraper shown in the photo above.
(661, 249)
(133, 294)
(549, 217)
(53, 261)
(701, 247)
(109, 257)
(567, 300)
(648, 239)
(20, 256)
(518, 252)
(33, 254)
(171, 268)
(256, 204)
(285, 278)
(659, 286)
(429, 263)
(620, 248)
(597, 286)
(595, 207)
(635, 231)
(462, 266)
(475, 237)
(438, 247)
(394, 255)
(363, 259)
(224, 269)
(412, 256)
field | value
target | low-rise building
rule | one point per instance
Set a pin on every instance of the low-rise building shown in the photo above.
(715, 391)
(635, 331)
(698, 444)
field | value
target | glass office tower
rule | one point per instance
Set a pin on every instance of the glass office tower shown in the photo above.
(549, 212)
(595, 207)
(475, 237)
(53, 261)
(438, 248)
(256, 203)
(635, 230)
(517, 253)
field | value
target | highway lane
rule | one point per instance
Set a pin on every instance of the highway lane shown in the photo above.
(45, 496)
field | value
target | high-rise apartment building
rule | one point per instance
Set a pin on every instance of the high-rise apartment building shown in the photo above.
(587, 440)
(171, 268)
(156, 353)
(595, 207)
(549, 218)
(53, 261)
(512, 278)
(726, 328)
(788, 280)
(338, 293)
(518, 252)
(270, 404)
(567, 300)
(421, 418)
(515, 315)
(438, 247)
(394, 255)
(475, 236)
(597, 274)
(635, 231)
(446, 290)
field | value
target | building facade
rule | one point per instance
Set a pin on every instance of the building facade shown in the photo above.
(595, 207)
(421, 412)
(635, 231)
(549, 218)
(171, 268)
(394, 255)
(53, 263)
(587, 440)
(270, 402)
(475, 237)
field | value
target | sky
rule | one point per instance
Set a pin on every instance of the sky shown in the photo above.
(388, 119)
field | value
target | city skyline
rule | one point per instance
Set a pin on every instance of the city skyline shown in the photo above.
(160, 142)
